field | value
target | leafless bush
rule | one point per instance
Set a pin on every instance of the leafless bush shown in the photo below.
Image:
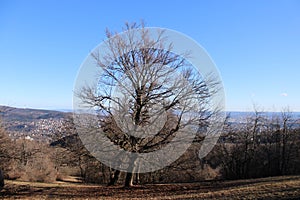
(32, 161)
(40, 169)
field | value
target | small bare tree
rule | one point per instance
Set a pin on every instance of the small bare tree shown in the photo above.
(142, 78)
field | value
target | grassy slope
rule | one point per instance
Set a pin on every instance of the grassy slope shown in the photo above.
(285, 187)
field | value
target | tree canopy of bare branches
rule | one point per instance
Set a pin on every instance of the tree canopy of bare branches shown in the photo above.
(146, 97)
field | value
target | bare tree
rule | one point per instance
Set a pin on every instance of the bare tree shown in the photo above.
(3, 158)
(238, 149)
(262, 145)
(5, 153)
(288, 140)
(71, 152)
(280, 143)
(141, 79)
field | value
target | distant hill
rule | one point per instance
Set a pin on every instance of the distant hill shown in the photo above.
(28, 114)
(31, 123)
(240, 114)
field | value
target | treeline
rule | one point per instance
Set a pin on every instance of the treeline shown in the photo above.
(260, 146)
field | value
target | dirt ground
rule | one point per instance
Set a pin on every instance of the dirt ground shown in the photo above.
(285, 187)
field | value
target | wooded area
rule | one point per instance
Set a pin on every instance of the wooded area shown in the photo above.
(262, 146)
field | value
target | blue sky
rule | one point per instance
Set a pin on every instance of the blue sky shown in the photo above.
(255, 45)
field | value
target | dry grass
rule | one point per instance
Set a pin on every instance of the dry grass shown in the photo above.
(285, 187)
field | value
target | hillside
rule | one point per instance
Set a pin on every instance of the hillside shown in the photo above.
(31, 123)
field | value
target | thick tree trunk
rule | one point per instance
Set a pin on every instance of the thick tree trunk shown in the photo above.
(130, 175)
(137, 178)
(129, 179)
(114, 178)
(1, 180)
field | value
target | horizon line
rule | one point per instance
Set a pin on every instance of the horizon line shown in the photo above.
(71, 109)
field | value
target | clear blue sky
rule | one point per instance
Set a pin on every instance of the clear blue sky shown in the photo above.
(255, 45)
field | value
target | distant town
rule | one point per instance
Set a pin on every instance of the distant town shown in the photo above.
(31, 124)
(41, 125)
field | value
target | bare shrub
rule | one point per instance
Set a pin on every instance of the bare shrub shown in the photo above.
(33, 162)
(40, 169)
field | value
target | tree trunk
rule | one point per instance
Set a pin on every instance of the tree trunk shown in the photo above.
(129, 179)
(114, 178)
(130, 175)
(137, 178)
(1, 180)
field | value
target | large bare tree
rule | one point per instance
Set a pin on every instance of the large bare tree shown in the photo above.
(146, 95)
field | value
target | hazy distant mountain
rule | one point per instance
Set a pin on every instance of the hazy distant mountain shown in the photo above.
(236, 115)
(28, 114)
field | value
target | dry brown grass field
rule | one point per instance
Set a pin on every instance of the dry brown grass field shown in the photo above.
(284, 187)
